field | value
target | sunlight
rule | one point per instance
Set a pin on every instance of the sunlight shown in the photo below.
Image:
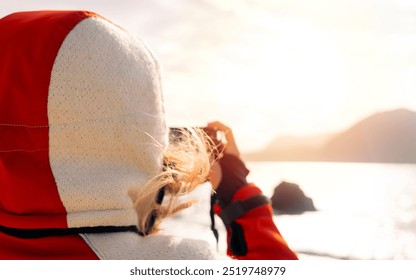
(301, 71)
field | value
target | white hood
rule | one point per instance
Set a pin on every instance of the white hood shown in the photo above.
(95, 129)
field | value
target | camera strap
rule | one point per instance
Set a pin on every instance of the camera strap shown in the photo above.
(212, 216)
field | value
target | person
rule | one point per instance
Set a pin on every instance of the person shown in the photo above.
(87, 170)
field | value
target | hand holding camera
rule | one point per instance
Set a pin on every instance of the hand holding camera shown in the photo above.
(228, 141)
(228, 172)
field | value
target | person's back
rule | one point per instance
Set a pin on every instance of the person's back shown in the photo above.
(83, 142)
(82, 129)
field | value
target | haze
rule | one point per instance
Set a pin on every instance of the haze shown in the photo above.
(271, 67)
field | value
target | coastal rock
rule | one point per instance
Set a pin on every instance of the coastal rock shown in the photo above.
(288, 198)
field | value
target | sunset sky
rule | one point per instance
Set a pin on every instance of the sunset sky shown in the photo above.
(271, 68)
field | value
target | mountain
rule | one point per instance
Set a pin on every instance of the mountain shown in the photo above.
(291, 148)
(383, 137)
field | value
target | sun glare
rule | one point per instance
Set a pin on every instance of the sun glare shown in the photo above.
(300, 71)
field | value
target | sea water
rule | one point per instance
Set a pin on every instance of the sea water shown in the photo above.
(365, 210)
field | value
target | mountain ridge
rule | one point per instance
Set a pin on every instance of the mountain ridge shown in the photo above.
(388, 136)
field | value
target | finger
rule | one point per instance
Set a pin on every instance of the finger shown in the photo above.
(231, 146)
(219, 125)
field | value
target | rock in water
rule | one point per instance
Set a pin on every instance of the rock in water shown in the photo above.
(288, 198)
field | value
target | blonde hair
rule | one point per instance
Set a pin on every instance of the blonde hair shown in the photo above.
(186, 165)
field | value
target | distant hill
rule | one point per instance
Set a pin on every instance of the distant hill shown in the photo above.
(383, 137)
(290, 148)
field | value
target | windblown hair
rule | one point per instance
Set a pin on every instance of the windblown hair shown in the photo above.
(186, 165)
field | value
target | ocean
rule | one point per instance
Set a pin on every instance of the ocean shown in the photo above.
(365, 211)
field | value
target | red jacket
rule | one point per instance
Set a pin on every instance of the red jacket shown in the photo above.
(261, 237)
(256, 231)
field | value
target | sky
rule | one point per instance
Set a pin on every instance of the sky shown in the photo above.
(270, 68)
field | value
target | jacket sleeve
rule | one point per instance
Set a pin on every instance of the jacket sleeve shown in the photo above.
(251, 231)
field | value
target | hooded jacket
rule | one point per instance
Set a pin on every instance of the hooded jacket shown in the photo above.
(82, 129)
